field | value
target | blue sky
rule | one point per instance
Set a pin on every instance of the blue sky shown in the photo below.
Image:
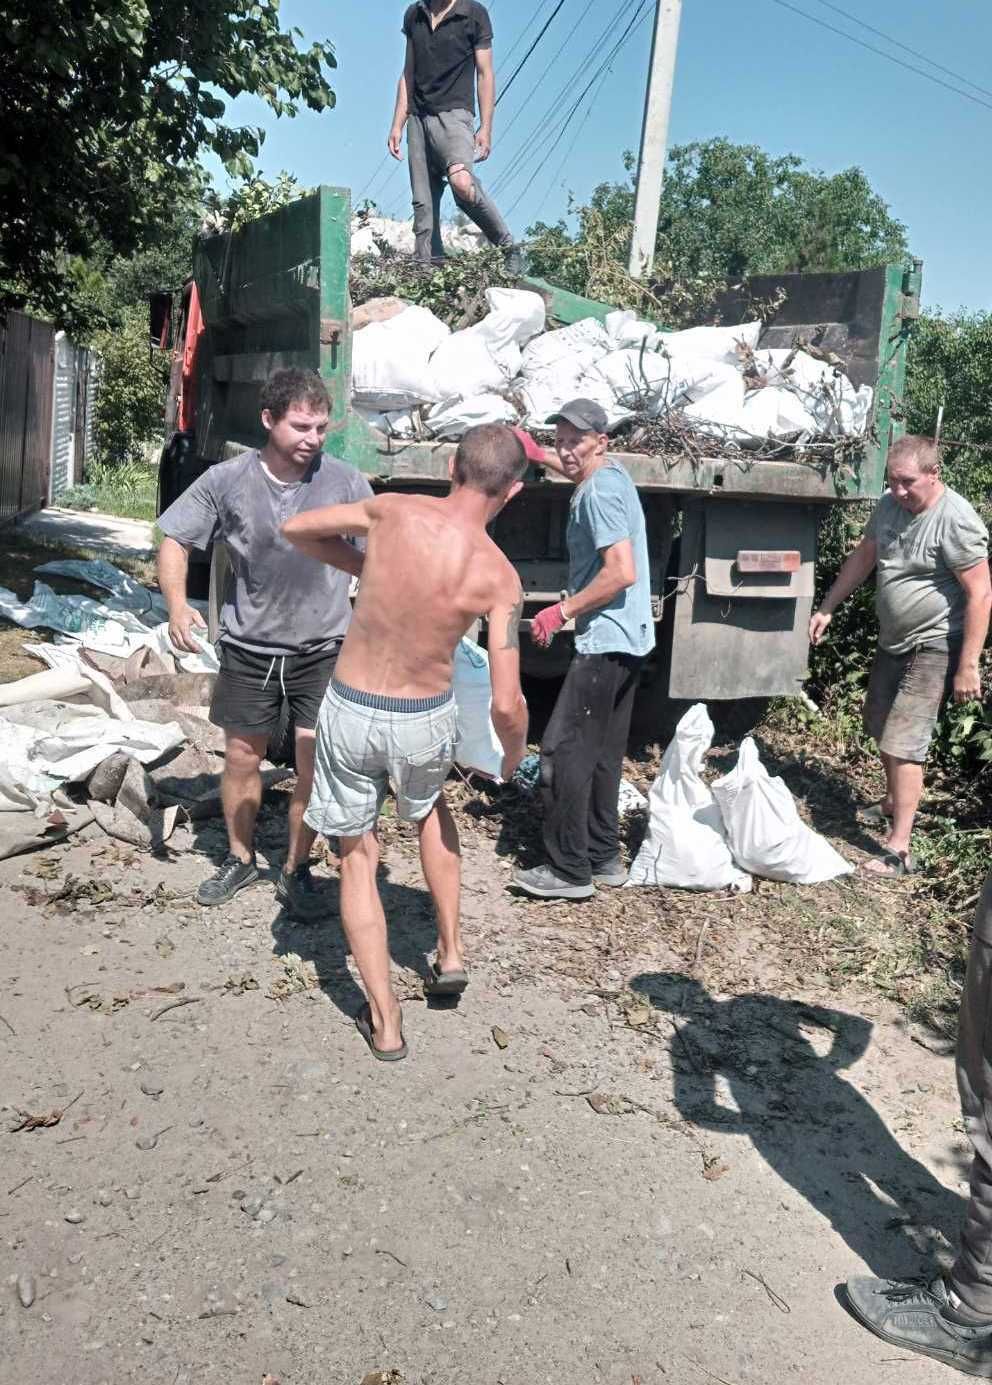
(753, 72)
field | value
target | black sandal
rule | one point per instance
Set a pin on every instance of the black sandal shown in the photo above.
(899, 863)
(445, 983)
(363, 1023)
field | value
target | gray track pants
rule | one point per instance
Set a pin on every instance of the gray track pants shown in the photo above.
(972, 1273)
(434, 143)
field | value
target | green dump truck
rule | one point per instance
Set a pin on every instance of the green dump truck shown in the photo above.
(732, 538)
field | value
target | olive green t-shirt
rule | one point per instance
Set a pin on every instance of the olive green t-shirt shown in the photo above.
(918, 598)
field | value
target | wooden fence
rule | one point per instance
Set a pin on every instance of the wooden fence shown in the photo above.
(27, 364)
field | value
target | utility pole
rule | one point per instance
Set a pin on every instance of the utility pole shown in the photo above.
(654, 135)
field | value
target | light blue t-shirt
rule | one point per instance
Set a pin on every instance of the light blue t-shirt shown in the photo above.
(606, 509)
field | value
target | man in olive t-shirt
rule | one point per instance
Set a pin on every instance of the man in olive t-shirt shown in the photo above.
(929, 550)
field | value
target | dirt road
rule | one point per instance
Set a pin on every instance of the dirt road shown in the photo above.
(686, 1143)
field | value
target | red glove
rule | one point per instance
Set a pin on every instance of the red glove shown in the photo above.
(546, 624)
(533, 449)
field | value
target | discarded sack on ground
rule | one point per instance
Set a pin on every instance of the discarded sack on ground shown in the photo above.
(478, 747)
(686, 844)
(764, 829)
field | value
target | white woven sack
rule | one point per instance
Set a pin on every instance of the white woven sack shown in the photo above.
(478, 747)
(764, 829)
(685, 844)
(390, 361)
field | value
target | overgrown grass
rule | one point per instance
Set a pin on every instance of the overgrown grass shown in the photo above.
(128, 490)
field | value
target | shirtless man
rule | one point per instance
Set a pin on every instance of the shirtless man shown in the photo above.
(388, 717)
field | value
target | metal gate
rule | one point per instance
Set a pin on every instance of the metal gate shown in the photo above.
(27, 361)
(72, 424)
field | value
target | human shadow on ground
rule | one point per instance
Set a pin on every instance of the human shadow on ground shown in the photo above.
(411, 931)
(770, 1068)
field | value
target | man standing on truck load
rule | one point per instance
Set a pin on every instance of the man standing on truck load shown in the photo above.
(610, 601)
(929, 551)
(449, 50)
(388, 717)
(282, 620)
(950, 1317)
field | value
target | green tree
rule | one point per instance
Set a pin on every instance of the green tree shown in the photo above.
(727, 211)
(108, 105)
(254, 196)
(950, 363)
(130, 392)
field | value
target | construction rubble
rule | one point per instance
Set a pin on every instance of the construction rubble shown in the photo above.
(114, 726)
(413, 377)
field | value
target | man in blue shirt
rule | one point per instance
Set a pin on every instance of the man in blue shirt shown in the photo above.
(610, 601)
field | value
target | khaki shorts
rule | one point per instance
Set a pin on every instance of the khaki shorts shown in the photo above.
(367, 743)
(906, 693)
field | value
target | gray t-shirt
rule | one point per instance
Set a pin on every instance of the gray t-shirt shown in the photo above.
(606, 509)
(278, 601)
(918, 598)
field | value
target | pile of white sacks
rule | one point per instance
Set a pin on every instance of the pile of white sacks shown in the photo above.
(368, 233)
(412, 376)
(713, 837)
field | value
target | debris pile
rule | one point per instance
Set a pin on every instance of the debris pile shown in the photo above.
(413, 377)
(114, 729)
(371, 235)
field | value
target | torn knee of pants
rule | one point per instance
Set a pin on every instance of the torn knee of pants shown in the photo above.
(462, 183)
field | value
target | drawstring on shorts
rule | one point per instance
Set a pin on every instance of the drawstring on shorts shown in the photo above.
(281, 658)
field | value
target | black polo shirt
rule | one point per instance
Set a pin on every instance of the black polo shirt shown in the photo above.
(444, 58)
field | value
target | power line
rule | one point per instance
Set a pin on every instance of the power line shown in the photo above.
(516, 71)
(546, 122)
(361, 196)
(872, 48)
(574, 76)
(540, 153)
(581, 126)
(552, 183)
(906, 48)
(553, 136)
(534, 19)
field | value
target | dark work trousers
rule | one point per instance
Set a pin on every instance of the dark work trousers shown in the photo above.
(581, 761)
(971, 1276)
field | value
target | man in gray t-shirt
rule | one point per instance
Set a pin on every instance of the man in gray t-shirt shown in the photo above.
(929, 551)
(282, 619)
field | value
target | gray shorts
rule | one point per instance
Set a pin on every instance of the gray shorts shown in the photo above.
(367, 743)
(442, 140)
(905, 695)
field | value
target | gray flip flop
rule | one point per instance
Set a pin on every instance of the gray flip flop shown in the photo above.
(363, 1023)
(900, 865)
(445, 983)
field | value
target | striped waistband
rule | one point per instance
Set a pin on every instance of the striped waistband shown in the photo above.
(379, 702)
